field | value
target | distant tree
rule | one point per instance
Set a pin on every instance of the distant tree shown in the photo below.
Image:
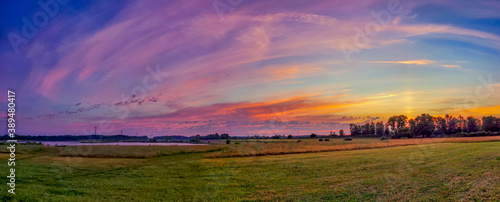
(355, 130)
(413, 125)
(401, 122)
(451, 124)
(424, 125)
(472, 125)
(391, 122)
(380, 129)
(448, 118)
(313, 135)
(440, 125)
(372, 129)
(224, 135)
(290, 136)
(228, 141)
(197, 138)
(491, 124)
(461, 124)
(341, 133)
(387, 132)
(366, 129)
(479, 124)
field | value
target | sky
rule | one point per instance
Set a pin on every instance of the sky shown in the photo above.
(244, 67)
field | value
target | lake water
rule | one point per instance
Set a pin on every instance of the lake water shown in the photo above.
(69, 143)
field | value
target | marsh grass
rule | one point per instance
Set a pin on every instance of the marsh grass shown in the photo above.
(120, 151)
(28, 149)
(289, 147)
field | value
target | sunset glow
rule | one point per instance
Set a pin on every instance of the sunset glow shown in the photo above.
(260, 68)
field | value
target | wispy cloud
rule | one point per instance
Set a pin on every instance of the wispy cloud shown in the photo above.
(408, 62)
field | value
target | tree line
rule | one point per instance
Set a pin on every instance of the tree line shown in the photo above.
(426, 125)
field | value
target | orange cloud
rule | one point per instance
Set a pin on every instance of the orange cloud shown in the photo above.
(409, 62)
(483, 111)
(450, 66)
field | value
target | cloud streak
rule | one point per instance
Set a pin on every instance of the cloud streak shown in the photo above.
(450, 66)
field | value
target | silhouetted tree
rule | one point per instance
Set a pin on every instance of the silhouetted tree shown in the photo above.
(424, 125)
(401, 121)
(380, 128)
(366, 129)
(355, 129)
(491, 124)
(440, 125)
(472, 124)
(461, 124)
(451, 124)
(392, 122)
(413, 126)
(372, 129)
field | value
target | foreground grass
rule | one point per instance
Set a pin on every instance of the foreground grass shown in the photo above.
(440, 171)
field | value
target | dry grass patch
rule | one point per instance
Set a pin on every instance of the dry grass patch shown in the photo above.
(263, 149)
(120, 151)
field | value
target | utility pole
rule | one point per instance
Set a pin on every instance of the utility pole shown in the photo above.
(95, 130)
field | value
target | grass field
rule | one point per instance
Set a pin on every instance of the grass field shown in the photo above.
(459, 169)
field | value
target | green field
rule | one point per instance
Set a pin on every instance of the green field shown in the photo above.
(438, 171)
